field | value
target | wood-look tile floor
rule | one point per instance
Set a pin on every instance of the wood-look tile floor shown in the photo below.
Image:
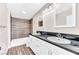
(20, 50)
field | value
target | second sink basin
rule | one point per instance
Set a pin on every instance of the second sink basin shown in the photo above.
(59, 40)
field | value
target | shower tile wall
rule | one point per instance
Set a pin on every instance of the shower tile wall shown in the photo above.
(20, 28)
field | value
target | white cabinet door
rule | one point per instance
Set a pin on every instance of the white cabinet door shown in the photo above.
(60, 51)
(33, 44)
(29, 42)
(40, 47)
(34, 41)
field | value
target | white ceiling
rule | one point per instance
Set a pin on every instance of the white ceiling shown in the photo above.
(24, 10)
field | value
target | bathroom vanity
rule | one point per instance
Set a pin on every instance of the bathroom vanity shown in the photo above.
(42, 46)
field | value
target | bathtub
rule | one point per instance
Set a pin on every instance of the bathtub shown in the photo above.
(19, 41)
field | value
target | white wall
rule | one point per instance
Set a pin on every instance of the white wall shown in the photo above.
(4, 18)
(49, 24)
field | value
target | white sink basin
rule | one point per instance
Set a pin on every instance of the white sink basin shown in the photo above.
(59, 40)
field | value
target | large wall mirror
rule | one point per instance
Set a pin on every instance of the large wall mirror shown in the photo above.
(65, 15)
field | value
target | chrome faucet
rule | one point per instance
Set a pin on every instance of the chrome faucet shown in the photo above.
(59, 35)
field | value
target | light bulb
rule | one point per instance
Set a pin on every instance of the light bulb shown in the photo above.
(24, 12)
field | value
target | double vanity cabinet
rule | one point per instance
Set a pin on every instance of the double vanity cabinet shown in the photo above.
(41, 47)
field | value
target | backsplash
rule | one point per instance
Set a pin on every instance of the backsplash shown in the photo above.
(67, 36)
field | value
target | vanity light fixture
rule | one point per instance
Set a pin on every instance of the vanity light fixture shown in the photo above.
(50, 7)
(47, 9)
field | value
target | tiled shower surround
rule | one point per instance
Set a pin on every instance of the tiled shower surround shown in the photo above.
(20, 28)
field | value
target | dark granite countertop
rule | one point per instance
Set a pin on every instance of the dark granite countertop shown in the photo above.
(68, 47)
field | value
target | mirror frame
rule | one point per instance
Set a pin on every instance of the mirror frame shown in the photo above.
(73, 13)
